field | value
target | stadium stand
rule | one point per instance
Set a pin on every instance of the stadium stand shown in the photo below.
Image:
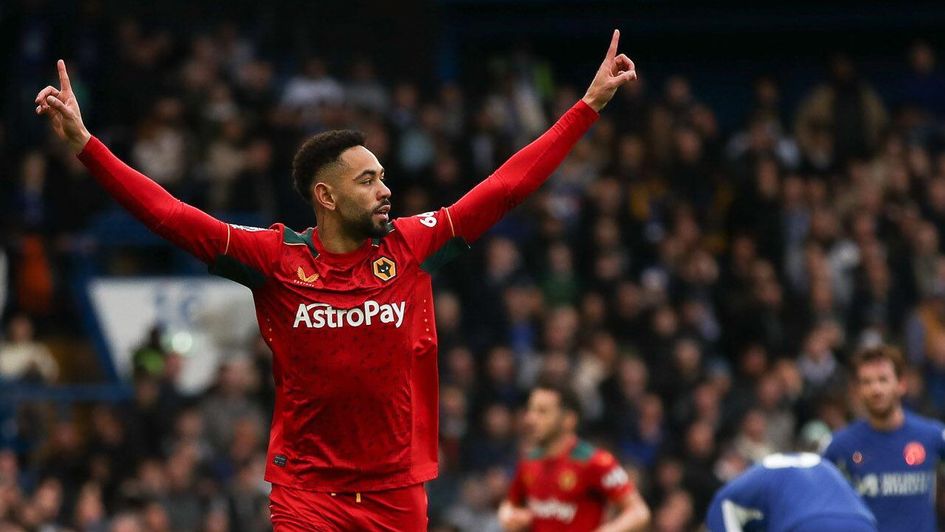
(700, 287)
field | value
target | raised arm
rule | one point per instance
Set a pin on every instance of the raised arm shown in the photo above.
(525, 171)
(431, 234)
(193, 230)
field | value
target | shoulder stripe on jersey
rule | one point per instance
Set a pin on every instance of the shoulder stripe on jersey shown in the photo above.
(450, 219)
(376, 241)
(234, 270)
(449, 251)
(227, 248)
(291, 238)
(536, 453)
(582, 451)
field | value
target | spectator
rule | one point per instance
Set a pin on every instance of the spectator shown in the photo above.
(312, 88)
(160, 151)
(22, 358)
(840, 119)
(228, 403)
(923, 85)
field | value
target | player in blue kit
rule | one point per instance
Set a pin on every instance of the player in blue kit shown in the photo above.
(796, 492)
(892, 456)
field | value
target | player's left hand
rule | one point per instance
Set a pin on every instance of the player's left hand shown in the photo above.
(613, 72)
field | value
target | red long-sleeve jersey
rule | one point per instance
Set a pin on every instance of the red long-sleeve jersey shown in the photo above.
(352, 335)
(571, 490)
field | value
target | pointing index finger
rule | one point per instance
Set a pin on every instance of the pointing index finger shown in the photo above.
(64, 83)
(612, 51)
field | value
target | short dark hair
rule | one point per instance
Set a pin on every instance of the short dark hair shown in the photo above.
(877, 354)
(567, 399)
(319, 151)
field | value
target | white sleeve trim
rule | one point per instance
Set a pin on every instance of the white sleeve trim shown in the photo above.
(734, 516)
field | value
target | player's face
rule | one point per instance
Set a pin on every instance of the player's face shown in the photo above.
(544, 418)
(362, 197)
(879, 388)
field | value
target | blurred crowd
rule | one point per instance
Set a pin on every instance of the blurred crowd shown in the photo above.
(701, 290)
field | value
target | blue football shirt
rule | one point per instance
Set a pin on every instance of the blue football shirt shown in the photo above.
(784, 492)
(894, 471)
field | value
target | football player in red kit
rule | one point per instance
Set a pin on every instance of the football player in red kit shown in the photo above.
(346, 307)
(565, 484)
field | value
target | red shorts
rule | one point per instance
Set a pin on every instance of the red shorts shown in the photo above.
(400, 510)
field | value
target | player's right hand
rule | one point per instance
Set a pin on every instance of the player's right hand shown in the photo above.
(514, 519)
(62, 108)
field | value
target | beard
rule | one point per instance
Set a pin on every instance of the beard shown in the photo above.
(362, 225)
(549, 437)
(881, 411)
(365, 226)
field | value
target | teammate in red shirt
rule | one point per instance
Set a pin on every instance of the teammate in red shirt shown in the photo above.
(565, 484)
(346, 307)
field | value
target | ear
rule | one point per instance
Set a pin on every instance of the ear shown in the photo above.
(323, 196)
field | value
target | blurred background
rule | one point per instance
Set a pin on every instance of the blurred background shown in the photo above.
(769, 197)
